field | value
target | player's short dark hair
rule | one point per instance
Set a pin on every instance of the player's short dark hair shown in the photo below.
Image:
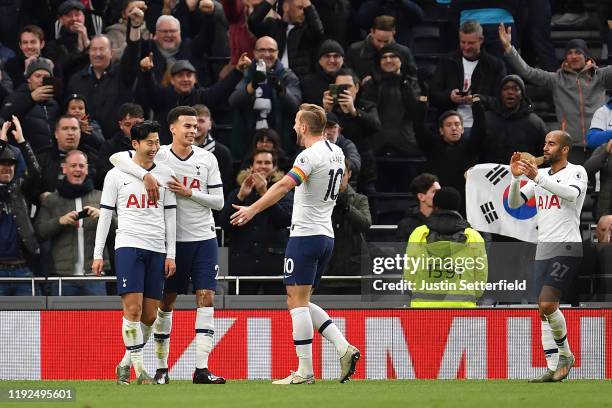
(132, 109)
(384, 23)
(260, 151)
(422, 183)
(64, 116)
(34, 29)
(351, 73)
(178, 111)
(447, 114)
(142, 130)
(202, 110)
(314, 116)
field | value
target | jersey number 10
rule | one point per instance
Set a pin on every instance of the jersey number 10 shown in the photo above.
(332, 190)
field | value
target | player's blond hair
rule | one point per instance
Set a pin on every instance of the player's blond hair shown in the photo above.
(313, 116)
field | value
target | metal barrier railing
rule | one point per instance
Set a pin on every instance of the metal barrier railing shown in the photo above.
(236, 279)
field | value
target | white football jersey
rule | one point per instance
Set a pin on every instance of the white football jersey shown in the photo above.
(200, 172)
(141, 222)
(318, 172)
(558, 219)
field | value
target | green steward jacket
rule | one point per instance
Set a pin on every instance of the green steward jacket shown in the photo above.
(445, 260)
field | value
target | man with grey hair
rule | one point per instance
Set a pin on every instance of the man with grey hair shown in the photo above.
(104, 84)
(464, 73)
(205, 27)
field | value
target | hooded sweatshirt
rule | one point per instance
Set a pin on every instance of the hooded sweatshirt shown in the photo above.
(509, 131)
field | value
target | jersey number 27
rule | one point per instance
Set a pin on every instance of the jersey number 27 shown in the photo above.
(333, 187)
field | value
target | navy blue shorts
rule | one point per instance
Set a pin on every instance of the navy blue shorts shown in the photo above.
(140, 271)
(198, 261)
(306, 259)
(559, 272)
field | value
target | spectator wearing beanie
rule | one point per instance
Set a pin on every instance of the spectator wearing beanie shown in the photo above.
(330, 59)
(34, 104)
(511, 125)
(578, 88)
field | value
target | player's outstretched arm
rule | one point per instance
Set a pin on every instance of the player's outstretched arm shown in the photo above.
(272, 196)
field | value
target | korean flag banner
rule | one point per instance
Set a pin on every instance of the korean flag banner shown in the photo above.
(486, 189)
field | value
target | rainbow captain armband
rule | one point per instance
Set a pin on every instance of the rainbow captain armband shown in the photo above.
(297, 175)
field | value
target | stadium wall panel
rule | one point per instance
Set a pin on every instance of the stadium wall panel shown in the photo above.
(257, 344)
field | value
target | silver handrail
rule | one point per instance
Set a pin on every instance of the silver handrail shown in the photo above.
(237, 279)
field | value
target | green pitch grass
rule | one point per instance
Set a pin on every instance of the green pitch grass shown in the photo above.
(358, 393)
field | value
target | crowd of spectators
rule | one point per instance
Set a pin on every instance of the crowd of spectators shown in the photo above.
(76, 75)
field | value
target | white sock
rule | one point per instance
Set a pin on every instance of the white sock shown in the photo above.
(302, 338)
(551, 352)
(161, 334)
(205, 331)
(559, 330)
(146, 333)
(132, 338)
(322, 322)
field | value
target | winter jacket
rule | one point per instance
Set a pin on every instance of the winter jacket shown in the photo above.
(284, 107)
(413, 218)
(17, 203)
(50, 159)
(396, 99)
(448, 161)
(315, 84)
(362, 58)
(37, 118)
(446, 235)
(163, 98)
(211, 50)
(577, 95)
(351, 219)
(601, 161)
(449, 75)
(263, 238)
(601, 126)
(302, 41)
(64, 52)
(64, 239)
(361, 129)
(509, 131)
(104, 95)
(335, 16)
